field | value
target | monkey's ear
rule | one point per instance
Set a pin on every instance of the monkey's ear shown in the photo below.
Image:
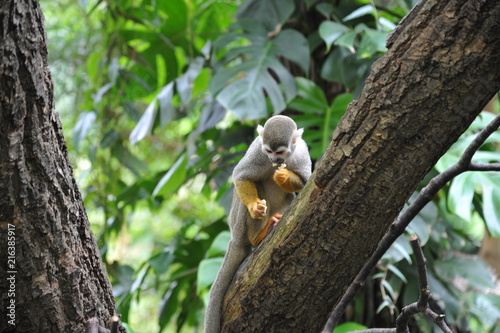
(260, 130)
(297, 135)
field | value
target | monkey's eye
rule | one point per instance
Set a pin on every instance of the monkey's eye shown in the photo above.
(280, 152)
(269, 151)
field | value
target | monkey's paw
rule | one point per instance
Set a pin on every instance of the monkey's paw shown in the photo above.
(281, 176)
(257, 209)
(274, 220)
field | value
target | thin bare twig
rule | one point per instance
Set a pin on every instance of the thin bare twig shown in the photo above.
(425, 196)
(420, 306)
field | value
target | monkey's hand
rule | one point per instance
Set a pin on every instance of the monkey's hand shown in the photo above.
(270, 225)
(288, 180)
(257, 208)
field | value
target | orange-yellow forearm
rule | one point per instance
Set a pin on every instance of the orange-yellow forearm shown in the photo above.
(247, 191)
(288, 180)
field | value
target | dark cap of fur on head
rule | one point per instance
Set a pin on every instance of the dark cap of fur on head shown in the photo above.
(279, 130)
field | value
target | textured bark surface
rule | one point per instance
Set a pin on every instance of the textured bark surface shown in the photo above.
(442, 67)
(50, 265)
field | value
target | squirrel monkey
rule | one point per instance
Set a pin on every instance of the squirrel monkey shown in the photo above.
(275, 166)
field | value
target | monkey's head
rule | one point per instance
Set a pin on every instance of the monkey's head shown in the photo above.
(279, 137)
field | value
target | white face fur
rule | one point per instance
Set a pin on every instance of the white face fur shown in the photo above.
(279, 153)
(277, 156)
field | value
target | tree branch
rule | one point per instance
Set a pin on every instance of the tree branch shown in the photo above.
(424, 197)
(420, 306)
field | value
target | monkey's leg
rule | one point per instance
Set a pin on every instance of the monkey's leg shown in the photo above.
(288, 180)
(270, 225)
(235, 254)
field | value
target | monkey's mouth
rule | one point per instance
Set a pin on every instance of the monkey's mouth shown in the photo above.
(277, 160)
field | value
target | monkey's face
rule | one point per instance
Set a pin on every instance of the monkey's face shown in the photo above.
(278, 154)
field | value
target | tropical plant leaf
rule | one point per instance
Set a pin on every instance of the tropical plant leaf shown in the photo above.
(219, 245)
(82, 127)
(246, 95)
(207, 271)
(270, 12)
(173, 178)
(331, 31)
(145, 124)
(361, 11)
(491, 206)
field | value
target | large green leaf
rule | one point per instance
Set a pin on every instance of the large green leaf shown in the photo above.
(251, 79)
(270, 12)
(207, 271)
(331, 31)
(219, 245)
(461, 194)
(311, 101)
(310, 97)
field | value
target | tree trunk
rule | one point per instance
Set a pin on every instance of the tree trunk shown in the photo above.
(442, 67)
(52, 277)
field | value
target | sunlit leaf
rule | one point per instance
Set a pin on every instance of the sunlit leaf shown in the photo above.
(173, 178)
(83, 125)
(348, 327)
(382, 305)
(145, 124)
(165, 101)
(386, 23)
(185, 81)
(491, 207)
(460, 195)
(361, 11)
(398, 273)
(138, 281)
(100, 93)
(388, 287)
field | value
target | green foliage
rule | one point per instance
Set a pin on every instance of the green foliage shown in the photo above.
(161, 100)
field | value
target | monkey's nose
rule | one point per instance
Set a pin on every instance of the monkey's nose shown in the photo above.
(279, 160)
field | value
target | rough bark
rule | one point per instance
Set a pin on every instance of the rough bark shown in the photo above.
(52, 278)
(440, 70)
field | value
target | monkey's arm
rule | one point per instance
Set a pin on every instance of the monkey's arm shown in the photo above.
(248, 195)
(288, 180)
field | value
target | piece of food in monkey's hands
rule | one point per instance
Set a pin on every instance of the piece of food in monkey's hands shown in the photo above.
(280, 166)
(263, 206)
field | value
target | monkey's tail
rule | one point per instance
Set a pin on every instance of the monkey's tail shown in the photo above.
(235, 254)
